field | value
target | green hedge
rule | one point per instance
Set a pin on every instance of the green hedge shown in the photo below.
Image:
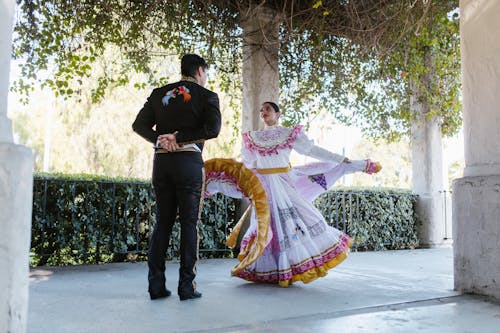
(88, 219)
(377, 219)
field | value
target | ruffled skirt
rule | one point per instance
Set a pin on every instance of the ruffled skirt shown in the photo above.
(288, 239)
(301, 245)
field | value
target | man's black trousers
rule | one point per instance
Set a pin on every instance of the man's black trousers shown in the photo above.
(177, 181)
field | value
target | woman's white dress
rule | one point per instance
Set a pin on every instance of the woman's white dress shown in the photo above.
(300, 245)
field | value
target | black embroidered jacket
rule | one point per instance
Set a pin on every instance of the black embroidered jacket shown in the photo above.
(185, 107)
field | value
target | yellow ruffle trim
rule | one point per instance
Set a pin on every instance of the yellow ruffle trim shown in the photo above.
(252, 188)
(319, 271)
(233, 236)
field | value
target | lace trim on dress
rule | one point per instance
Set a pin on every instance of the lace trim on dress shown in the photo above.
(307, 270)
(221, 176)
(270, 141)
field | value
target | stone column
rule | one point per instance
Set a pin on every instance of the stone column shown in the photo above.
(260, 70)
(476, 196)
(16, 188)
(427, 174)
(6, 16)
(260, 62)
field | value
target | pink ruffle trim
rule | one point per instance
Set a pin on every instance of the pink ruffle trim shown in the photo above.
(253, 147)
(286, 275)
(220, 176)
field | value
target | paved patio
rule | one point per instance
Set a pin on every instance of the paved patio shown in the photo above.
(390, 291)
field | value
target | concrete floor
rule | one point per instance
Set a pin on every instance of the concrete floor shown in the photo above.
(390, 291)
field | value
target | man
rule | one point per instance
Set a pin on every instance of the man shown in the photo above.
(178, 118)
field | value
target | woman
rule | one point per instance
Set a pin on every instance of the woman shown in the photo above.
(299, 245)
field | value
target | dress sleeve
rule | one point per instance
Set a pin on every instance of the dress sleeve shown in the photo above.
(303, 145)
(248, 158)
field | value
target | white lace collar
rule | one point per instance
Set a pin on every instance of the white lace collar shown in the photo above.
(270, 136)
(268, 142)
(267, 128)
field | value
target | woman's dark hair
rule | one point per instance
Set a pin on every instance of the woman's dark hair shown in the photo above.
(190, 64)
(274, 105)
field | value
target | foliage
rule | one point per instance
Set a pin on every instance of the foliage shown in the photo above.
(81, 135)
(375, 219)
(361, 60)
(68, 37)
(81, 219)
(372, 87)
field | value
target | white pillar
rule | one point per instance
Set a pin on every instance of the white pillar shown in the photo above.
(476, 196)
(6, 16)
(427, 175)
(16, 188)
(260, 62)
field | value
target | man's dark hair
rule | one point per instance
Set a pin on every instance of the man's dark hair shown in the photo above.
(190, 64)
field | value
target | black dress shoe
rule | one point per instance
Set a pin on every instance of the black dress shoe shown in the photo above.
(194, 295)
(161, 294)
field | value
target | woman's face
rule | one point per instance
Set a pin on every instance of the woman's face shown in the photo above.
(268, 115)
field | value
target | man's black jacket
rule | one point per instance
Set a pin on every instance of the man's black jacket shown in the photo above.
(185, 107)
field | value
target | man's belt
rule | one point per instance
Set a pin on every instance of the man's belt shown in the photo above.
(164, 151)
(267, 171)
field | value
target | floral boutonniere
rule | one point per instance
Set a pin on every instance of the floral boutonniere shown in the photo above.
(181, 90)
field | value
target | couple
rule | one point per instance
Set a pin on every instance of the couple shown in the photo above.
(288, 240)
